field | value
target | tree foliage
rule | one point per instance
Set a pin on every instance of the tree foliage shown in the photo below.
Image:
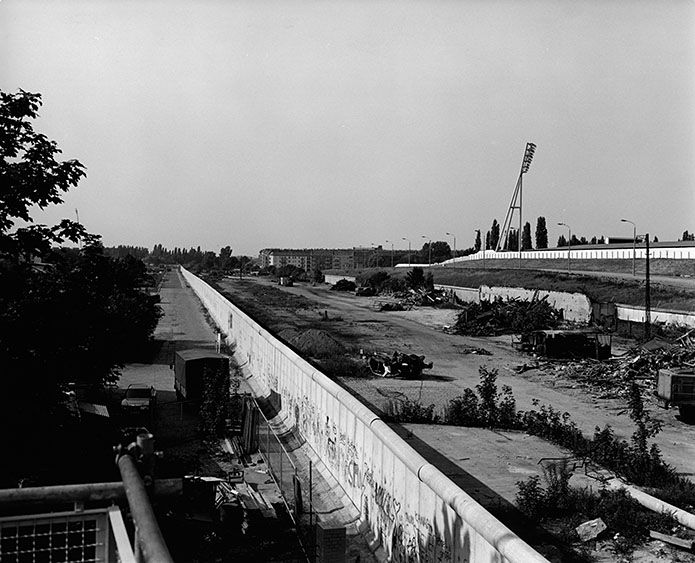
(541, 233)
(494, 234)
(526, 237)
(478, 242)
(76, 315)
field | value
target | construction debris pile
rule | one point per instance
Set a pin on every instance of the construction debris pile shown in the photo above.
(640, 364)
(511, 316)
(408, 366)
(406, 300)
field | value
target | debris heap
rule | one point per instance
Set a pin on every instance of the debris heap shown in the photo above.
(406, 300)
(640, 364)
(510, 316)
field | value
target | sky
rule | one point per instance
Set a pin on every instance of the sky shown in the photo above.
(297, 124)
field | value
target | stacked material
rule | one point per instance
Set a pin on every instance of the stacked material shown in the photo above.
(511, 316)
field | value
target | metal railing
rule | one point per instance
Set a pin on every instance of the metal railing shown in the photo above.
(81, 536)
(75, 537)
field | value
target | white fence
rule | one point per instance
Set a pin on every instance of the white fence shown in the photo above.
(410, 508)
(578, 253)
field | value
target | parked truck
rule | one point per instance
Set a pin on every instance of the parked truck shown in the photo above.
(189, 369)
(676, 386)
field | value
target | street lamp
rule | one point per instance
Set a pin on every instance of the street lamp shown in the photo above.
(403, 238)
(391, 251)
(453, 235)
(634, 242)
(429, 247)
(376, 251)
(569, 245)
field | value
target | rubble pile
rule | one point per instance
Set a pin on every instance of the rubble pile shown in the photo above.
(422, 297)
(640, 364)
(511, 316)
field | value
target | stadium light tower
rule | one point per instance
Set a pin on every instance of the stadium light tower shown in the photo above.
(516, 202)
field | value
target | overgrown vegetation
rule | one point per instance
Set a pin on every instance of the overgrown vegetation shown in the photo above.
(563, 508)
(636, 460)
(215, 401)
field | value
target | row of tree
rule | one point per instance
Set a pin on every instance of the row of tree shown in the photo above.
(511, 242)
(192, 258)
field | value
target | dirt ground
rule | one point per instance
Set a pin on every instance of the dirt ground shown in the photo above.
(353, 321)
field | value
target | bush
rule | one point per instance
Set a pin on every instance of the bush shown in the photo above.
(343, 285)
(488, 409)
(407, 410)
(415, 278)
(558, 501)
(214, 405)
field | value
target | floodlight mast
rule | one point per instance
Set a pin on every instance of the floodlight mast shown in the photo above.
(516, 202)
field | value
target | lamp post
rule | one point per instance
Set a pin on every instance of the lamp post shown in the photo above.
(408, 249)
(454, 261)
(391, 251)
(376, 251)
(429, 247)
(569, 246)
(634, 242)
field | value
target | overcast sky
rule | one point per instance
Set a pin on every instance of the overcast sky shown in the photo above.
(337, 124)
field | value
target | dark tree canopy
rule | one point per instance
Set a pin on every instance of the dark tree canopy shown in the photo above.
(541, 233)
(478, 242)
(440, 251)
(494, 234)
(67, 315)
(526, 243)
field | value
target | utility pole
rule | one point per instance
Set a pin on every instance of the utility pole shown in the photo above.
(647, 296)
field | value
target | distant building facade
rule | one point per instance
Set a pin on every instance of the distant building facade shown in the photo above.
(310, 259)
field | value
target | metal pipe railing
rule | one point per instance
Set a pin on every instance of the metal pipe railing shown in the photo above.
(149, 543)
(89, 492)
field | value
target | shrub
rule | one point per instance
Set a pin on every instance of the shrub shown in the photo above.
(214, 405)
(407, 410)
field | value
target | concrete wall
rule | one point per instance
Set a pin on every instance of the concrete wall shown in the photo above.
(636, 314)
(465, 294)
(407, 505)
(577, 253)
